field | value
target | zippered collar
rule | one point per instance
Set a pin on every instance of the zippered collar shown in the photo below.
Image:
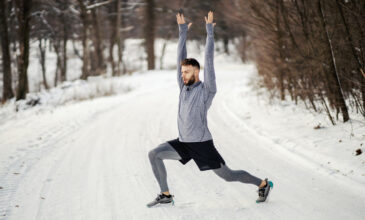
(193, 85)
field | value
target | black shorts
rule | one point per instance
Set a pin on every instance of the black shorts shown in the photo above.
(203, 153)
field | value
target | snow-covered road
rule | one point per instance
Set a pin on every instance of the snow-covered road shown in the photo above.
(88, 160)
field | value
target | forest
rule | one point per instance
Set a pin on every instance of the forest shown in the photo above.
(305, 51)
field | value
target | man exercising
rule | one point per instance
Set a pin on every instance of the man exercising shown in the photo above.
(195, 140)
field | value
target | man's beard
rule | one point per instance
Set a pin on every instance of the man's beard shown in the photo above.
(191, 81)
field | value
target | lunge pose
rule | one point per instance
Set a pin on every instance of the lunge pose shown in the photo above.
(195, 140)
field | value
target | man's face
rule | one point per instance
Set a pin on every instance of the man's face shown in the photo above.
(189, 74)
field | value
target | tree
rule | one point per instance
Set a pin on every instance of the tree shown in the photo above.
(98, 64)
(4, 38)
(149, 33)
(23, 8)
(85, 36)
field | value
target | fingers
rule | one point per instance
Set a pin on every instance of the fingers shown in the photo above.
(180, 18)
(210, 17)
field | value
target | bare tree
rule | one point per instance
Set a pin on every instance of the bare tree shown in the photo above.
(149, 34)
(301, 49)
(85, 36)
(99, 66)
(23, 9)
(339, 97)
(4, 38)
(42, 52)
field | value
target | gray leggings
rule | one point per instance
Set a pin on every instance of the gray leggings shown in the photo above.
(166, 151)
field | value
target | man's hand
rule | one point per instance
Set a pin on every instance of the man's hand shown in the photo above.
(210, 18)
(180, 19)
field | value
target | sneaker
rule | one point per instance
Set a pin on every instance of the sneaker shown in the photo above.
(161, 199)
(264, 191)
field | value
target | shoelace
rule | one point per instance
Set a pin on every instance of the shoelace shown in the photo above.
(262, 192)
(161, 196)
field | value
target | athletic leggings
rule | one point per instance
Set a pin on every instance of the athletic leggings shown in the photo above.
(166, 151)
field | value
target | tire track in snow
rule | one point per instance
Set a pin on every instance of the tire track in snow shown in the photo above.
(106, 173)
(25, 163)
(36, 150)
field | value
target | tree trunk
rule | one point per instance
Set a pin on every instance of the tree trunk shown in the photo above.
(56, 47)
(63, 75)
(23, 8)
(280, 45)
(85, 46)
(150, 34)
(340, 100)
(114, 37)
(327, 110)
(111, 50)
(120, 37)
(4, 38)
(42, 59)
(63, 72)
(358, 62)
(100, 65)
(163, 49)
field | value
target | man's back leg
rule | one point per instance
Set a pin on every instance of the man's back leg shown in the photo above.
(236, 175)
(156, 156)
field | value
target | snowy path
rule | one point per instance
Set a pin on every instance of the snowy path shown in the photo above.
(89, 160)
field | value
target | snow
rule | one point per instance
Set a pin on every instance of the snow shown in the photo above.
(96, 5)
(82, 154)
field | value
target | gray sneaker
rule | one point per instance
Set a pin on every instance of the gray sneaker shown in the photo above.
(161, 199)
(264, 191)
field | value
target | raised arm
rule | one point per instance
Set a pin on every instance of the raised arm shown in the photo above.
(181, 46)
(209, 73)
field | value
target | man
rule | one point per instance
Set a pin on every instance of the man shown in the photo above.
(195, 140)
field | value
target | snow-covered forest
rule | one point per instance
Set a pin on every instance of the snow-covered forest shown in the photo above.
(88, 88)
(310, 51)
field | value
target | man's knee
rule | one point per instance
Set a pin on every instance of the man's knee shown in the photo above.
(152, 154)
(224, 174)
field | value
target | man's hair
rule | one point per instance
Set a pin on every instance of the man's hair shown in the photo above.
(190, 61)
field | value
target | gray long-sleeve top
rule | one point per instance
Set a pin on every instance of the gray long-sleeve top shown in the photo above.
(195, 100)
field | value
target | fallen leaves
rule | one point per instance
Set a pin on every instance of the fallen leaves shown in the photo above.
(358, 152)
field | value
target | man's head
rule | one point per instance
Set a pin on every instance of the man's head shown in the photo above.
(190, 71)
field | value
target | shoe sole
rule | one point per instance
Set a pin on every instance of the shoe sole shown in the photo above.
(271, 184)
(163, 203)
